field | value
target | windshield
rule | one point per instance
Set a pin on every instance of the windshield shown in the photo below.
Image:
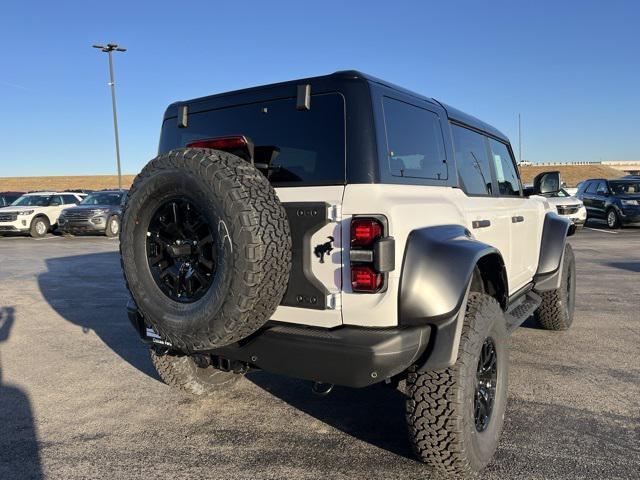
(32, 201)
(618, 188)
(102, 198)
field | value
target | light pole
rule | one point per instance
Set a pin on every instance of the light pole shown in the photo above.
(109, 48)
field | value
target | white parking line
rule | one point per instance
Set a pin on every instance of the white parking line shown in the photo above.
(603, 231)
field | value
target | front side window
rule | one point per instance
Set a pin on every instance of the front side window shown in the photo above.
(472, 161)
(622, 188)
(508, 182)
(415, 146)
(56, 201)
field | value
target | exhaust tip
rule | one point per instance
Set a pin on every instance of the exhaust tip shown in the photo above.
(321, 389)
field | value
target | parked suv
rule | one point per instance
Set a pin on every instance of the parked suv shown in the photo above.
(616, 201)
(346, 231)
(569, 206)
(99, 212)
(7, 198)
(36, 213)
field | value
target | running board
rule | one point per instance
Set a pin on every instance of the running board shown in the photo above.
(522, 309)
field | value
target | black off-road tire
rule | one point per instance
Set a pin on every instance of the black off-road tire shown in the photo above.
(252, 246)
(440, 404)
(39, 227)
(108, 231)
(558, 305)
(182, 372)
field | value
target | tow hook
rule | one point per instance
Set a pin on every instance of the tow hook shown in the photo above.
(321, 389)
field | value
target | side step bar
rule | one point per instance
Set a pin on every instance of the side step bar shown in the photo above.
(522, 309)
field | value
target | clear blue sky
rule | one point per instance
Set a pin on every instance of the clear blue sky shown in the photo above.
(572, 68)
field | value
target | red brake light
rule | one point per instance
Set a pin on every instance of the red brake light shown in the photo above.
(364, 231)
(365, 279)
(222, 143)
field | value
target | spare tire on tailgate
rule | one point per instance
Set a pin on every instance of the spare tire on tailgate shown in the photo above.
(206, 248)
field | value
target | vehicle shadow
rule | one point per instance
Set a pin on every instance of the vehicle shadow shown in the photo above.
(19, 450)
(375, 414)
(89, 291)
(632, 266)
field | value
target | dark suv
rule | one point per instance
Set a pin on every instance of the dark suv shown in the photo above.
(616, 201)
(7, 198)
(99, 212)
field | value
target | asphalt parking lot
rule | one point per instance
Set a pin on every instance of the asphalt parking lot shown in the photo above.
(79, 397)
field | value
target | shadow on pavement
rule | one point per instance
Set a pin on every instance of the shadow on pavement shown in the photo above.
(375, 414)
(88, 291)
(19, 450)
(632, 266)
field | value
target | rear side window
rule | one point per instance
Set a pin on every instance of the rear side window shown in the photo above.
(601, 189)
(474, 171)
(591, 187)
(302, 147)
(506, 175)
(69, 199)
(415, 145)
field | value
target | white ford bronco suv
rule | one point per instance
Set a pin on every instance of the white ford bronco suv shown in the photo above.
(345, 231)
(36, 213)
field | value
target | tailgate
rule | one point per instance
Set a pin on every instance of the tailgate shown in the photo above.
(313, 295)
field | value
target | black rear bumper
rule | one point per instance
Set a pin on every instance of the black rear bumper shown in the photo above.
(349, 356)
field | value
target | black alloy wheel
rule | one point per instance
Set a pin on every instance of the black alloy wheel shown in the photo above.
(486, 380)
(181, 250)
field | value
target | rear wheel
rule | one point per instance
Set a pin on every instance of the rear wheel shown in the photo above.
(455, 415)
(39, 227)
(558, 305)
(182, 372)
(613, 221)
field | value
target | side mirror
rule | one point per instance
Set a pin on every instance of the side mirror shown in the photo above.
(546, 183)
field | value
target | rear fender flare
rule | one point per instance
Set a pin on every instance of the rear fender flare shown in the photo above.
(435, 280)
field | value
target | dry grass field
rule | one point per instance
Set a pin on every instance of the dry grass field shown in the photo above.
(93, 182)
(571, 174)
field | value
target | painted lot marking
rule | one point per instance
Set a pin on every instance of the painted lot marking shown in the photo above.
(603, 231)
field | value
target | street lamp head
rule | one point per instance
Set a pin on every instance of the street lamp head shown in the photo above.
(110, 47)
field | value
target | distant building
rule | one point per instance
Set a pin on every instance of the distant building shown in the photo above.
(630, 167)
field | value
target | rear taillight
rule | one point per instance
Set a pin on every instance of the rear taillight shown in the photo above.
(366, 235)
(222, 143)
(365, 231)
(365, 279)
(236, 144)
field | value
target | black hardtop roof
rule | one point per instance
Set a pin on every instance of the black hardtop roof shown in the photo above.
(354, 75)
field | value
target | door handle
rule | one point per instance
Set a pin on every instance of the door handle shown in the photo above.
(517, 219)
(481, 223)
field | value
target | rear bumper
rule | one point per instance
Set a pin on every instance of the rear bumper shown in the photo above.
(349, 356)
